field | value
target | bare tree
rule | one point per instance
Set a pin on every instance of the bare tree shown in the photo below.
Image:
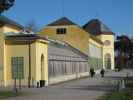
(31, 26)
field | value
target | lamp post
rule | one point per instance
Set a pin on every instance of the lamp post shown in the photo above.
(6, 5)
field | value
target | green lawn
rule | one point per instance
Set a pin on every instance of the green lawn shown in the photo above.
(129, 84)
(7, 94)
(126, 94)
(122, 95)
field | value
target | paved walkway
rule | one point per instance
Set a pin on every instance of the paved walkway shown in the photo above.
(83, 89)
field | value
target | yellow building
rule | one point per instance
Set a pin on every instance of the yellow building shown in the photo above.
(102, 32)
(68, 52)
(23, 57)
(67, 31)
(83, 39)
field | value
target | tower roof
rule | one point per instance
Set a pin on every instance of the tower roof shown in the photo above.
(96, 27)
(62, 21)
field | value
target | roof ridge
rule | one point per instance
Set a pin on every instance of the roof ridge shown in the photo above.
(62, 21)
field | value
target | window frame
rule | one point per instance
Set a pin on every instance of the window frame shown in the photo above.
(17, 65)
(61, 31)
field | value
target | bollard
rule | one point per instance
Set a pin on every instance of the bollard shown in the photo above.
(15, 86)
(123, 84)
(118, 85)
(20, 84)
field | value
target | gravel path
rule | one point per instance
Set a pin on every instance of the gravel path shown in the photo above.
(83, 89)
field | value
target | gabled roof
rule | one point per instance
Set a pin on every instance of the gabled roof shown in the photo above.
(4, 20)
(62, 21)
(96, 27)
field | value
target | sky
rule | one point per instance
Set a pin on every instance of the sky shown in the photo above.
(116, 14)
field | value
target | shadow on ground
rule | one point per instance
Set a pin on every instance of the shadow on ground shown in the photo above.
(105, 88)
(114, 77)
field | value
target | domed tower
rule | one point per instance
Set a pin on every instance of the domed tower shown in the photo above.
(101, 31)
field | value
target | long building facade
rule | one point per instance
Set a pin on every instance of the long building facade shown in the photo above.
(66, 62)
(61, 51)
(96, 41)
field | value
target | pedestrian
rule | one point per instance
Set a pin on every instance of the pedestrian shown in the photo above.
(102, 72)
(92, 72)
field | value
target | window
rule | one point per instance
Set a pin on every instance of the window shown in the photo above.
(107, 59)
(95, 51)
(61, 31)
(107, 43)
(17, 64)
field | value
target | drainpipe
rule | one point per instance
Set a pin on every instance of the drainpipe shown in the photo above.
(29, 77)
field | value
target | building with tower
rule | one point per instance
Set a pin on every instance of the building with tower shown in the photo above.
(61, 51)
(102, 32)
(93, 39)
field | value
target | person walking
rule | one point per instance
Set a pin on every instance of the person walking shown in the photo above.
(102, 72)
(92, 72)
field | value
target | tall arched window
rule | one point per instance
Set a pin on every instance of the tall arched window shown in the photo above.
(42, 67)
(107, 60)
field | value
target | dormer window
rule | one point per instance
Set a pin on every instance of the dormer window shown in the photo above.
(61, 31)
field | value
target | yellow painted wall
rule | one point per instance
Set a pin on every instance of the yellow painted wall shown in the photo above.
(108, 49)
(8, 51)
(8, 28)
(100, 46)
(16, 51)
(1, 56)
(37, 49)
(95, 43)
(41, 49)
(33, 61)
(3, 30)
(75, 36)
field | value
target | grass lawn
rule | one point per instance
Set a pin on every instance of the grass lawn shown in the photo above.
(8, 94)
(129, 84)
(122, 95)
(126, 94)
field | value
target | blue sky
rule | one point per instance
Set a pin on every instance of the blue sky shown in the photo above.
(116, 14)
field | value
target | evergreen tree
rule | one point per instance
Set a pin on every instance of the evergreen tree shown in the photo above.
(124, 48)
(6, 5)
